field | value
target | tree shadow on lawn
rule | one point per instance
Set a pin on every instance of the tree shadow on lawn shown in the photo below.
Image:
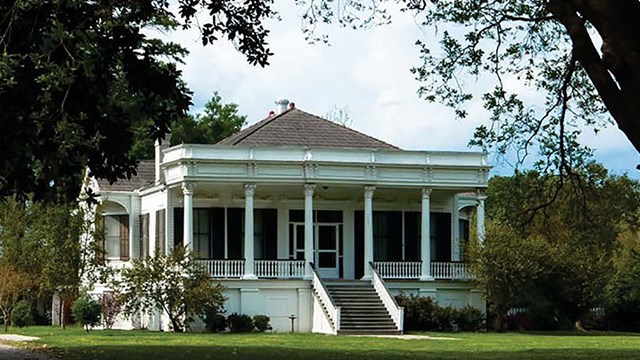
(159, 352)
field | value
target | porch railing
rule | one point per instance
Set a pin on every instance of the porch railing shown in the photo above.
(223, 268)
(398, 269)
(450, 270)
(412, 270)
(286, 269)
(396, 312)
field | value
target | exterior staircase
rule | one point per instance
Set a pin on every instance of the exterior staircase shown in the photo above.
(362, 311)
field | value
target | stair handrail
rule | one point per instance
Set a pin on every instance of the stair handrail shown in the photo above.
(323, 295)
(396, 312)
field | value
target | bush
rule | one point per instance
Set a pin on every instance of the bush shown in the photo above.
(261, 323)
(214, 321)
(423, 314)
(21, 315)
(86, 311)
(469, 319)
(240, 323)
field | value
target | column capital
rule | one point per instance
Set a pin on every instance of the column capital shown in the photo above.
(368, 191)
(249, 189)
(426, 193)
(188, 188)
(480, 195)
(309, 189)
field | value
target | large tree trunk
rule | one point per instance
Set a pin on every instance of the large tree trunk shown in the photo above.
(615, 74)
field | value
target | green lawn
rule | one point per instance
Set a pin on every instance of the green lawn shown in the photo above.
(74, 344)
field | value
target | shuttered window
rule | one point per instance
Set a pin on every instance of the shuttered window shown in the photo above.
(144, 235)
(116, 241)
(161, 239)
(124, 237)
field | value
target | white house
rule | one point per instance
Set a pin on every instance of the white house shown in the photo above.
(296, 215)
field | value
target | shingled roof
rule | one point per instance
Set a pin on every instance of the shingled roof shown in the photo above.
(146, 177)
(299, 128)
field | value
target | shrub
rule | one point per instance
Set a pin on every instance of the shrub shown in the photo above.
(261, 323)
(86, 311)
(469, 319)
(21, 315)
(215, 322)
(240, 323)
(110, 304)
(423, 313)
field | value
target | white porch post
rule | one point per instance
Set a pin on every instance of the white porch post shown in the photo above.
(480, 216)
(249, 272)
(425, 235)
(455, 229)
(308, 228)
(368, 230)
(187, 237)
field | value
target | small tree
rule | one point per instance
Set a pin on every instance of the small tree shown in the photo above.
(86, 311)
(174, 284)
(13, 284)
(111, 307)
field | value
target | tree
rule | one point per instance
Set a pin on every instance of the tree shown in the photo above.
(75, 76)
(174, 284)
(553, 259)
(217, 122)
(50, 247)
(12, 286)
(547, 45)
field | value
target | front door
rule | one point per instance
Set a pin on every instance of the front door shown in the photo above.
(327, 250)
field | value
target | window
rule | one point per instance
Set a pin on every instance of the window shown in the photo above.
(116, 237)
(161, 239)
(144, 235)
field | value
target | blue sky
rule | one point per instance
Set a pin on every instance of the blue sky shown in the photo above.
(365, 71)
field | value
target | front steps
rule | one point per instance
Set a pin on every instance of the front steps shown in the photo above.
(362, 311)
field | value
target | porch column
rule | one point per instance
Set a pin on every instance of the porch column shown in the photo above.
(480, 216)
(308, 229)
(187, 235)
(249, 272)
(455, 229)
(368, 230)
(425, 236)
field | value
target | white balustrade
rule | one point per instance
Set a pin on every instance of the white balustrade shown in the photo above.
(398, 269)
(450, 270)
(396, 312)
(223, 268)
(411, 270)
(283, 269)
(322, 294)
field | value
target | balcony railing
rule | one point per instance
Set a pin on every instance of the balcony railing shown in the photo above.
(223, 268)
(412, 270)
(282, 269)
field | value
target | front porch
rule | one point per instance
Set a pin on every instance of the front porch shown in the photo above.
(295, 269)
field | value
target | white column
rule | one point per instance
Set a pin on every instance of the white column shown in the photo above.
(249, 272)
(368, 230)
(425, 235)
(187, 237)
(455, 229)
(480, 216)
(308, 228)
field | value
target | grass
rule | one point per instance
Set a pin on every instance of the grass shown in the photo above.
(74, 343)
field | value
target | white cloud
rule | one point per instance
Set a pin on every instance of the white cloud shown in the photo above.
(364, 70)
